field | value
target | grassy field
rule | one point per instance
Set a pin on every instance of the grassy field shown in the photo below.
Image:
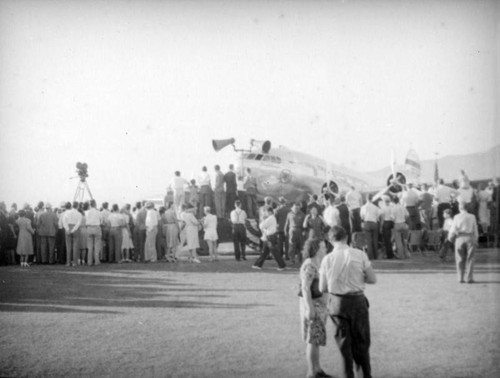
(223, 319)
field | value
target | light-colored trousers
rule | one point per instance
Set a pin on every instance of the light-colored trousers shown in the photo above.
(94, 236)
(400, 232)
(465, 249)
(150, 247)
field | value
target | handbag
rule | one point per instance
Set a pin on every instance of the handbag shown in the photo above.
(315, 292)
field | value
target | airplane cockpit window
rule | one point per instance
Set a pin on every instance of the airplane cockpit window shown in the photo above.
(250, 156)
(259, 157)
(266, 158)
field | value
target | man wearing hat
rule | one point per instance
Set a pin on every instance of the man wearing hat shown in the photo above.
(464, 232)
(47, 225)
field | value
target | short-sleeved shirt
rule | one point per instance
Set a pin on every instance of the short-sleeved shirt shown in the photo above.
(343, 270)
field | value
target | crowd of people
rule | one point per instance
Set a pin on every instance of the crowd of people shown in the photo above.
(80, 234)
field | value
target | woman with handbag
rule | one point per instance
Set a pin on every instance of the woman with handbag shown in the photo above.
(313, 311)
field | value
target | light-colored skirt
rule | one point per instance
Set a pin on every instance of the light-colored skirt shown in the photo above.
(126, 240)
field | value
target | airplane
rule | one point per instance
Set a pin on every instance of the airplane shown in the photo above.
(283, 172)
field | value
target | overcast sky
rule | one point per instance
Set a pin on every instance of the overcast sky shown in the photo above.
(138, 89)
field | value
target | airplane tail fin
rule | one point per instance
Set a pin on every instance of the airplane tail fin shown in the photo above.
(412, 163)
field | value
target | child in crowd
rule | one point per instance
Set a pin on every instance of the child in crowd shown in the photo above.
(210, 227)
(447, 245)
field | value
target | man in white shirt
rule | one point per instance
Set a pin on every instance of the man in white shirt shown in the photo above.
(152, 220)
(354, 201)
(464, 231)
(370, 215)
(343, 274)
(179, 185)
(71, 221)
(269, 228)
(94, 221)
(238, 219)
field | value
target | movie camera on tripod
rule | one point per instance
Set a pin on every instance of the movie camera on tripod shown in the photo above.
(83, 186)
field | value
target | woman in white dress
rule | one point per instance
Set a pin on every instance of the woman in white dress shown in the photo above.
(191, 231)
(210, 227)
(127, 244)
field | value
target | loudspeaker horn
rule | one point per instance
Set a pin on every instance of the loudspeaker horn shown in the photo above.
(219, 144)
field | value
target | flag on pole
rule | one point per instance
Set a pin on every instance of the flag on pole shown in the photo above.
(436, 172)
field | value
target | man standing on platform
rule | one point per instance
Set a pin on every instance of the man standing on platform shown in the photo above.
(205, 191)
(343, 274)
(179, 185)
(231, 188)
(464, 232)
(219, 193)
(250, 186)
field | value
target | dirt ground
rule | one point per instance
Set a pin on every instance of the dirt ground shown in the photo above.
(223, 319)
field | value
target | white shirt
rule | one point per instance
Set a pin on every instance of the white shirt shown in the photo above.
(370, 212)
(400, 213)
(178, 184)
(448, 222)
(238, 216)
(410, 198)
(204, 179)
(354, 199)
(343, 270)
(465, 194)
(443, 194)
(93, 217)
(464, 223)
(152, 219)
(269, 226)
(73, 217)
(331, 216)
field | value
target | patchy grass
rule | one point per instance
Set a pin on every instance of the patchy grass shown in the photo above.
(226, 320)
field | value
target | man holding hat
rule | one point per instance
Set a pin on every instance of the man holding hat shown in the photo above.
(464, 232)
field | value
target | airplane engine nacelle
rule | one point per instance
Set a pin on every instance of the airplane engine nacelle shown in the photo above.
(396, 184)
(260, 146)
(331, 187)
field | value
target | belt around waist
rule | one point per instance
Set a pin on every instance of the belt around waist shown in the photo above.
(347, 295)
(93, 225)
(465, 234)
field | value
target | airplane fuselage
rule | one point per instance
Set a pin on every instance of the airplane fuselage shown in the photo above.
(295, 175)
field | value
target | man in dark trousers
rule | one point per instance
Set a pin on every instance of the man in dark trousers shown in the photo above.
(343, 274)
(238, 218)
(231, 188)
(281, 215)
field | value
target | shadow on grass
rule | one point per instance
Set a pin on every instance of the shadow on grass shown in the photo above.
(62, 290)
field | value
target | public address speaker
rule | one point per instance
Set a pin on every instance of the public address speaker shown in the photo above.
(219, 144)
